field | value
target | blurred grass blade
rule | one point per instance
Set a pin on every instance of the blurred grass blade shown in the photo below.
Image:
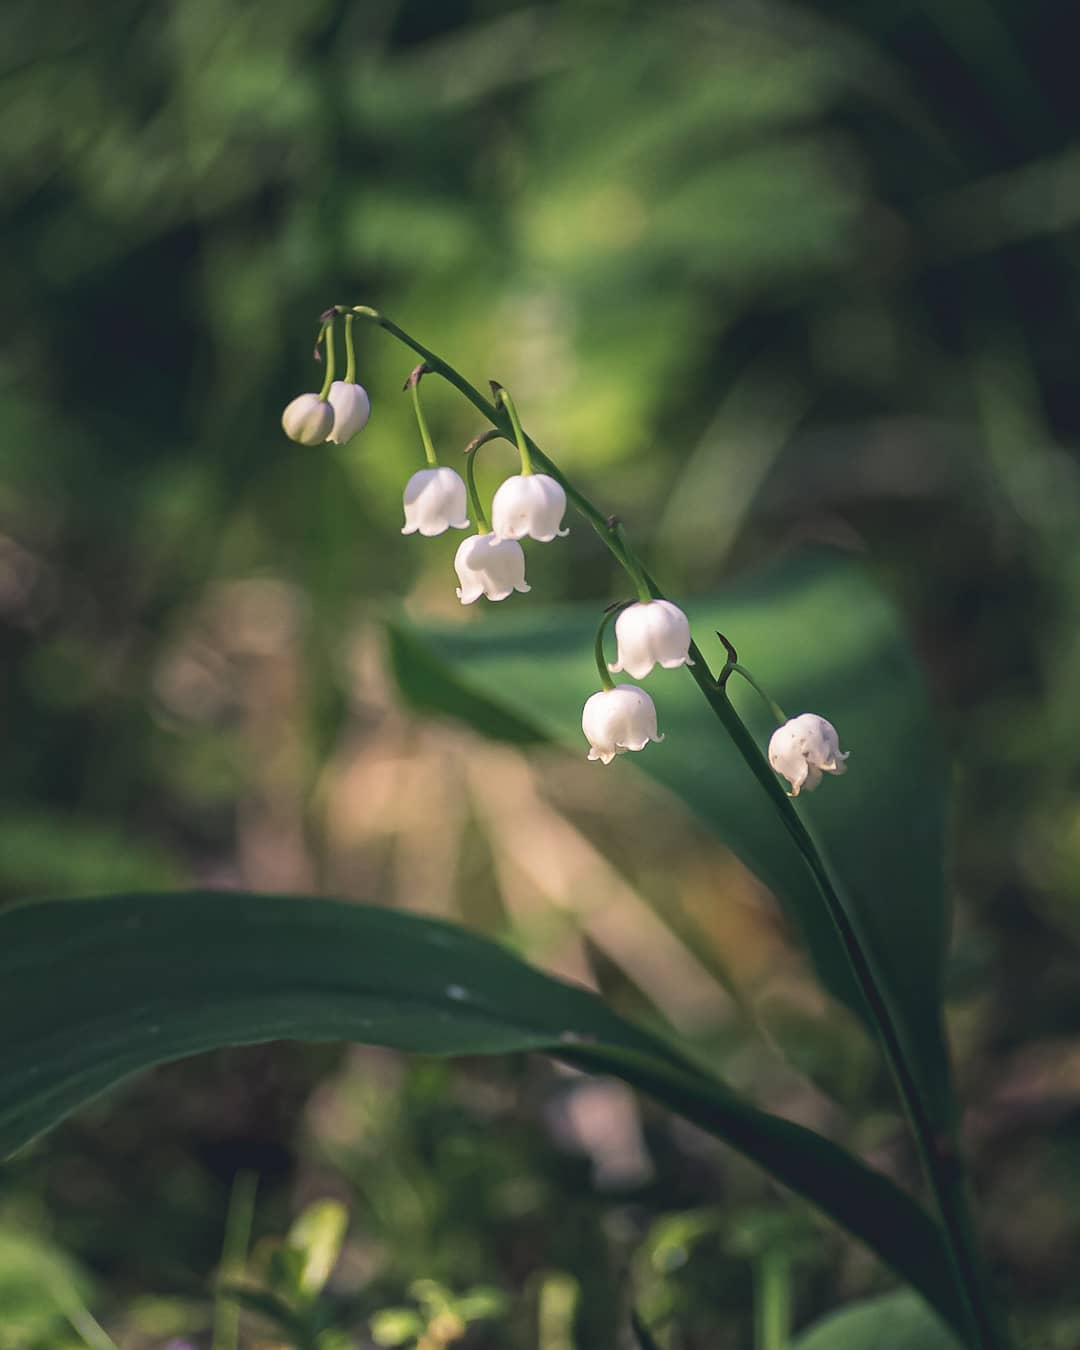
(820, 637)
(93, 991)
(234, 1247)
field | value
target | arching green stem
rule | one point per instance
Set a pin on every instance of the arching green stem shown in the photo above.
(937, 1151)
(774, 708)
(326, 337)
(606, 682)
(413, 386)
(503, 399)
(350, 350)
(482, 524)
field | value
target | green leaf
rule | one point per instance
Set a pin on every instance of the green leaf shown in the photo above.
(93, 991)
(821, 638)
(898, 1321)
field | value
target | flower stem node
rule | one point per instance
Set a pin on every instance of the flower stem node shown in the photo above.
(435, 502)
(488, 565)
(530, 505)
(803, 749)
(617, 720)
(649, 634)
(308, 420)
(352, 408)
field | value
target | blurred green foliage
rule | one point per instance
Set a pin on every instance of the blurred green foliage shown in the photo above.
(755, 273)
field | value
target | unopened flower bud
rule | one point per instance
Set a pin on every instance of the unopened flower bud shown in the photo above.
(435, 502)
(530, 504)
(352, 408)
(651, 633)
(308, 420)
(803, 749)
(487, 565)
(617, 720)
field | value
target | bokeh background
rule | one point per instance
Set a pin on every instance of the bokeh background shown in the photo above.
(757, 274)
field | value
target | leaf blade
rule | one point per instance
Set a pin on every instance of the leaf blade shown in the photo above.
(94, 991)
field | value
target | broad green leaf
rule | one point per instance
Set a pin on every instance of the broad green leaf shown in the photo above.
(897, 1321)
(93, 991)
(820, 637)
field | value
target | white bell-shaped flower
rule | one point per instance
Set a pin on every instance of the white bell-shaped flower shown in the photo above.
(352, 408)
(435, 502)
(487, 565)
(651, 633)
(308, 420)
(530, 504)
(617, 720)
(803, 749)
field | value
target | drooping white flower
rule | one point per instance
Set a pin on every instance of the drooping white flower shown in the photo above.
(308, 420)
(617, 720)
(352, 408)
(651, 633)
(803, 749)
(435, 501)
(487, 565)
(530, 504)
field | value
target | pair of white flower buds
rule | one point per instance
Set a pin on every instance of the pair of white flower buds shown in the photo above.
(492, 563)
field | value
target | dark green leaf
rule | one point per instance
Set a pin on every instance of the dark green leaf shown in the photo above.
(92, 991)
(822, 639)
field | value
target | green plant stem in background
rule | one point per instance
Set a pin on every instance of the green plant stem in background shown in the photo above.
(772, 1300)
(83, 1321)
(234, 1248)
(939, 1157)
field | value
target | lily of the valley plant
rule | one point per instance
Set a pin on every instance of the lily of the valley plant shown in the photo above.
(650, 631)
